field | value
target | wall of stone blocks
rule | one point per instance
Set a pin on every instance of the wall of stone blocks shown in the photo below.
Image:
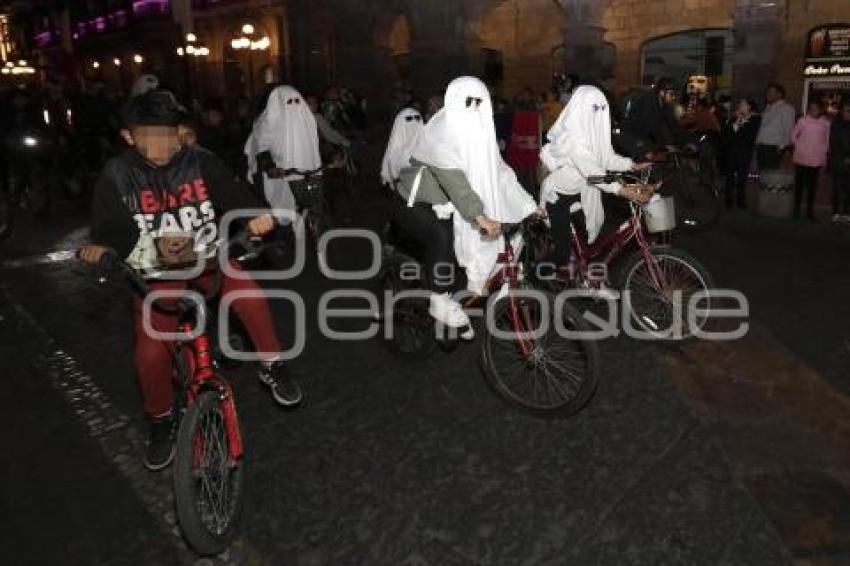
(526, 32)
(630, 23)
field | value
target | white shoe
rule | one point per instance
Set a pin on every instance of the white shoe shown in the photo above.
(448, 311)
(600, 290)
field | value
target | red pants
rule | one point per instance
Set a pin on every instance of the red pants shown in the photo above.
(154, 363)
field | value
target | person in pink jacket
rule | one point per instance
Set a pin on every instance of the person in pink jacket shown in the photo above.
(811, 144)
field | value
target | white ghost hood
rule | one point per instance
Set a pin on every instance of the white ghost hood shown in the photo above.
(288, 130)
(406, 129)
(580, 141)
(143, 84)
(462, 136)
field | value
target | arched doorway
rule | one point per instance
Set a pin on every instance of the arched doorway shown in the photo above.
(392, 35)
(700, 57)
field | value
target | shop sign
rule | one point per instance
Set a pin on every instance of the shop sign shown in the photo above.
(828, 43)
(835, 70)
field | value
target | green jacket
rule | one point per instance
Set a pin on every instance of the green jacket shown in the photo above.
(440, 186)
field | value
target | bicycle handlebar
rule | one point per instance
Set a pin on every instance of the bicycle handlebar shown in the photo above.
(110, 263)
(626, 177)
(293, 171)
(509, 229)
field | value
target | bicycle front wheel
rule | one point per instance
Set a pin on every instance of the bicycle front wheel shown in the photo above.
(662, 307)
(208, 483)
(548, 375)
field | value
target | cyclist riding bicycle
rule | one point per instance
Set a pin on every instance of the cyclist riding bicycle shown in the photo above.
(458, 173)
(160, 200)
(407, 126)
(649, 121)
(285, 137)
(580, 147)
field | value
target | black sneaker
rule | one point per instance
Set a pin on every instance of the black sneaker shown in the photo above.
(160, 450)
(285, 390)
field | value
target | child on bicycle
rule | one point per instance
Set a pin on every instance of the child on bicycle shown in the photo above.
(161, 188)
(580, 147)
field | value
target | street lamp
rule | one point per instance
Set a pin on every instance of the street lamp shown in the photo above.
(95, 65)
(117, 62)
(247, 43)
(138, 59)
(19, 68)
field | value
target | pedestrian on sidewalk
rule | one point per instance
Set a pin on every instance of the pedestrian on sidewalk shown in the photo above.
(839, 164)
(777, 123)
(739, 140)
(811, 143)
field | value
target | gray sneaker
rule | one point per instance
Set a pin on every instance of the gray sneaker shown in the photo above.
(285, 389)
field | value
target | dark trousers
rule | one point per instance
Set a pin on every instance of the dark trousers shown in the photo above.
(841, 192)
(768, 157)
(805, 182)
(736, 184)
(561, 222)
(435, 239)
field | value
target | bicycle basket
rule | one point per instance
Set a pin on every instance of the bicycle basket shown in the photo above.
(659, 214)
(307, 192)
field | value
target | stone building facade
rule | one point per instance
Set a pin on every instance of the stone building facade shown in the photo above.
(522, 42)
(372, 45)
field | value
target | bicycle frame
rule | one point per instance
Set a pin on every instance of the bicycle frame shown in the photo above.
(507, 271)
(199, 375)
(610, 245)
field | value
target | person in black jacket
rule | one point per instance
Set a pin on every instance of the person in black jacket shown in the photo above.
(160, 199)
(649, 121)
(839, 163)
(739, 140)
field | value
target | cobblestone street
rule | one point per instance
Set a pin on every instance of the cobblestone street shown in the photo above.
(708, 453)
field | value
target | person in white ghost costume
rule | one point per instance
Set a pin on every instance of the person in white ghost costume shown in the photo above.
(457, 169)
(580, 147)
(284, 137)
(406, 129)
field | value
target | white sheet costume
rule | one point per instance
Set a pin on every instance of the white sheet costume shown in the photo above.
(462, 136)
(286, 129)
(580, 146)
(406, 129)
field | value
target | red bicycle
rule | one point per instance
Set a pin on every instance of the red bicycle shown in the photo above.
(524, 357)
(658, 281)
(209, 463)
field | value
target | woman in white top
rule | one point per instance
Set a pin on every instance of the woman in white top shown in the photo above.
(406, 129)
(580, 147)
(285, 136)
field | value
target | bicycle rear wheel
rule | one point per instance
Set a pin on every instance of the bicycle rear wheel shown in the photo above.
(696, 202)
(550, 376)
(208, 483)
(412, 333)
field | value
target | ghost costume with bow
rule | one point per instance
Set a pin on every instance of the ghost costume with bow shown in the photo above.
(579, 147)
(287, 130)
(462, 136)
(406, 129)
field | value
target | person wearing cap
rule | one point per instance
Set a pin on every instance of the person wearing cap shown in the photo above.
(161, 188)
